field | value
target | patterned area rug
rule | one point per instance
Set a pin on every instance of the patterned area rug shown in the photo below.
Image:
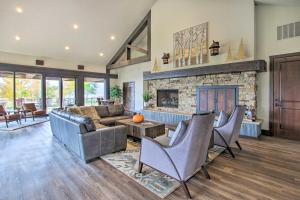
(29, 122)
(156, 182)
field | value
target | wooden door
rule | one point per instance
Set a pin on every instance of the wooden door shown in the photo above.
(286, 97)
(128, 96)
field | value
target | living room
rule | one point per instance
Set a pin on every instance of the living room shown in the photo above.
(151, 99)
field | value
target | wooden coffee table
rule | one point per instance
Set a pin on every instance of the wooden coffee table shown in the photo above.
(146, 128)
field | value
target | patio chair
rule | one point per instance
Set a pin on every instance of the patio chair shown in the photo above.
(30, 110)
(5, 116)
(183, 159)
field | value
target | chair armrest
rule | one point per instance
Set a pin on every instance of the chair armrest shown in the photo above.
(154, 155)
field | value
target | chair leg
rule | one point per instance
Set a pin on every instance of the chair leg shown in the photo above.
(238, 144)
(6, 124)
(230, 151)
(186, 190)
(140, 167)
(205, 172)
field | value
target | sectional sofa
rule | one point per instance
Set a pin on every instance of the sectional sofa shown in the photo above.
(90, 131)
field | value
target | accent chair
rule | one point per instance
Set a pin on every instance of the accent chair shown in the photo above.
(4, 116)
(228, 134)
(30, 108)
(183, 159)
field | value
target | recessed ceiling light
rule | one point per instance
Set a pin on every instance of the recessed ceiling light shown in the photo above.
(67, 47)
(101, 54)
(75, 26)
(19, 9)
(112, 37)
(17, 38)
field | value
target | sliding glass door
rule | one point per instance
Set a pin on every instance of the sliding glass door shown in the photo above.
(68, 92)
(93, 89)
(28, 89)
(7, 90)
(52, 93)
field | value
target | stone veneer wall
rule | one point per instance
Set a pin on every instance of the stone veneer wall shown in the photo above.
(187, 89)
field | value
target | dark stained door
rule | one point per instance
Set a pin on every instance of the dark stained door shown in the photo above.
(286, 100)
(128, 96)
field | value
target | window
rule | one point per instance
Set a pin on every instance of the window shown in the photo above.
(28, 89)
(93, 89)
(68, 91)
(7, 90)
(52, 93)
(217, 98)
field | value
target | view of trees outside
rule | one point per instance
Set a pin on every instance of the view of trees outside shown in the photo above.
(28, 89)
(52, 93)
(68, 92)
(6, 90)
(93, 89)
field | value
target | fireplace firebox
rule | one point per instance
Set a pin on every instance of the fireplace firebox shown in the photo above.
(167, 98)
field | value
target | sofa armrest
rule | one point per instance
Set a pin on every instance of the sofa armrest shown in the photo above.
(129, 113)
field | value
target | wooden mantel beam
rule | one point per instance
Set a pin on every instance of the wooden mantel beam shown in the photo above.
(237, 67)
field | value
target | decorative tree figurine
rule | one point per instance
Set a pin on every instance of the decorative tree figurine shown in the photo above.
(241, 51)
(155, 67)
(229, 55)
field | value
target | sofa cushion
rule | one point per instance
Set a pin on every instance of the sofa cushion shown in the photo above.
(111, 120)
(163, 140)
(86, 121)
(178, 134)
(75, 110)
(98, 125)
(90, 111)
(102, 111)
(115, 110)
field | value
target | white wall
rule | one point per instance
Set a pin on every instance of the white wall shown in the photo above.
(228, 22)
(268, 17)
(30, 60)
(133, 73)
(169, 16)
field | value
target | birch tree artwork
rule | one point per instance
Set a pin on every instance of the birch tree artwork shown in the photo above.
(191, 46)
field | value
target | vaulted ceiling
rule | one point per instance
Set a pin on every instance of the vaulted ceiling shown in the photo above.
(45, 27)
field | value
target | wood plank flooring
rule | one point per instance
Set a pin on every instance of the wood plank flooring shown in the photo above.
(33, 165)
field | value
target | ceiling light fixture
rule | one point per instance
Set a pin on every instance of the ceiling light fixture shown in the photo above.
(17, 38)
(67, 47)
(19, 10)
(112, 37)
(75, 26)
(101, 54)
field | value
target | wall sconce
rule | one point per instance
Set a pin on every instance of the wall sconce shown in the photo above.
(165, 58)
(214, 48)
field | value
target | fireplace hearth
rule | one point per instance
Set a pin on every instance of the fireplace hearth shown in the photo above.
(167, 98)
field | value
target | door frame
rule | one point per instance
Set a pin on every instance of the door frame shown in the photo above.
(271, 102)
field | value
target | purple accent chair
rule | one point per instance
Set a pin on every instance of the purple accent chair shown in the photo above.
(228, 134)
(184, 159)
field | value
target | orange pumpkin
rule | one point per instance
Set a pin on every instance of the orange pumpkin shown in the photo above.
(138, 118)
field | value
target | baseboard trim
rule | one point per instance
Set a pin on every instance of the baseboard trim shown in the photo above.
(266, 132)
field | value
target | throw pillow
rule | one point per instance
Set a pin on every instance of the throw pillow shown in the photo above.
(74, 110)
(178, 134)
(91, 112)
(222, 120)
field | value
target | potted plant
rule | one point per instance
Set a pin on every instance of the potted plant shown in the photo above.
(147, 97)
(115, 93)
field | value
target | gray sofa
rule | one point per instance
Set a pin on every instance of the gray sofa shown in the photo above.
(80, 135)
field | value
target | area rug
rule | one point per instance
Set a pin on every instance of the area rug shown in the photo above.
(12, 126)
(156, 182)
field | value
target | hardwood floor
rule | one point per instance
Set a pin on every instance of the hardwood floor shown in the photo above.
(33, 165)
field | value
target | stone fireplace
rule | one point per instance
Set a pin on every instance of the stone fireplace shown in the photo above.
(187, 89)
(167, 98)
(234, 83)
